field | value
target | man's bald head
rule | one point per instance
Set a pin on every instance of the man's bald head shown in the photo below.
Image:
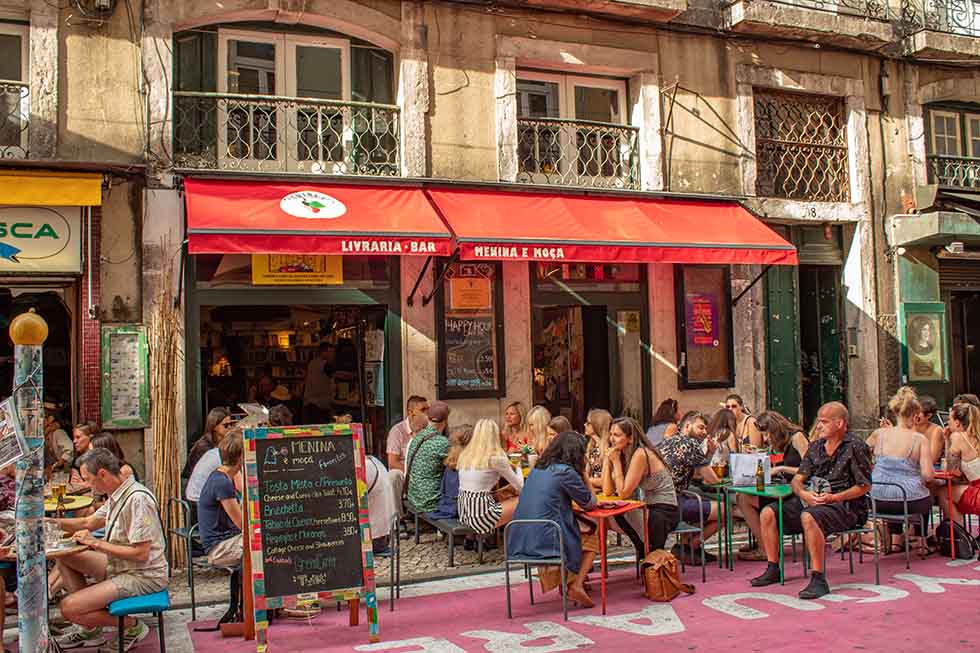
(832, 420)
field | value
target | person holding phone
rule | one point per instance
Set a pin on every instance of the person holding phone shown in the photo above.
(844, 462)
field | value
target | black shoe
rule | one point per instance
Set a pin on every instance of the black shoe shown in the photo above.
(769, 577)
(818, 587)
(469, 545)
(708, 557)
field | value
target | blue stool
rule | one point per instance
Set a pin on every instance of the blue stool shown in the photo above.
(156, 603)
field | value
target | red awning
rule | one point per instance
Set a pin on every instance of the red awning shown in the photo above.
(243, 217)
(536, 226)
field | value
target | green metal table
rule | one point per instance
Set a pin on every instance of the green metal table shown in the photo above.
(778, 492)
(719, 492)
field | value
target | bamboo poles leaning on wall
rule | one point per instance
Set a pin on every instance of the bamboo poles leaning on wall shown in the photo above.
(165, 334)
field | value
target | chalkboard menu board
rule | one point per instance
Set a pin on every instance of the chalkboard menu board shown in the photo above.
(308, 517)
(470, 334)
(311, 539)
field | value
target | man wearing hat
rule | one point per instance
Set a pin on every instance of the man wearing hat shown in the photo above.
(424, 460)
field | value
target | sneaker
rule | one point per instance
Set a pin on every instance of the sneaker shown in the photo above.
(78, 637)
(818, 587)
(753, 555)
(133, 635)
(769, 577)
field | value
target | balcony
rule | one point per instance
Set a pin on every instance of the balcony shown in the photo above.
(577, 153)
(941, 29)
(861, 24)
(14, 119)
(954, 171)
(260, 133)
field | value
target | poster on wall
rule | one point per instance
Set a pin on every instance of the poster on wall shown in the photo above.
(704, 336)
(925, 342)
(12, 444)
(40, 239)
(297, 270)
(702, 320)
(125, 371)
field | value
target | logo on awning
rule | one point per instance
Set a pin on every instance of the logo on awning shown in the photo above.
(312, 205)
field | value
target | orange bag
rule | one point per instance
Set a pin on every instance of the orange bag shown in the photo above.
(661, 582)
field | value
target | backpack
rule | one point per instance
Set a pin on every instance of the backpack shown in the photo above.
(966, 545)
(661, 581)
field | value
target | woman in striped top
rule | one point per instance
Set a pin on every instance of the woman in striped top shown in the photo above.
(481, 465)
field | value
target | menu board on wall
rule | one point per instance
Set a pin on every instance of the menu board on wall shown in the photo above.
(308, 517)
(470, 344)
(125, 377)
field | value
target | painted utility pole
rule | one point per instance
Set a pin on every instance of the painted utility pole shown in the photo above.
(28, 331)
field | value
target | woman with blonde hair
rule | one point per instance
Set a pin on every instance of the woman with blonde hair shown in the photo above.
(597, 425)
(513, 433)
(481, 465)
(963, 461)
(537, 428)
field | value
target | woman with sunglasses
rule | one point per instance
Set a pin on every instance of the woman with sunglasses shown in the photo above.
(746, 430)
(216, 426)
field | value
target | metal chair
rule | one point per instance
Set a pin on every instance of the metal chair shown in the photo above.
(847, 538)
(905, 519)
(527, 562)
(684, 528)
(395, 568)
(185, 533)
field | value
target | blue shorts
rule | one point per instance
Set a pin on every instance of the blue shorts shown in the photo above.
(690, 509)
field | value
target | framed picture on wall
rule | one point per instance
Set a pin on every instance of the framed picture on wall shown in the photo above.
(923, 335)
(704, 326)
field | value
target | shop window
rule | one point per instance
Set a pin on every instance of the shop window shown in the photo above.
(619, 277)
(14, 91)
(706, 357)
(259, 270)
(469, 313)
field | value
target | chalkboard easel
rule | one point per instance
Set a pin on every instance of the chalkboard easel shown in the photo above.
(309, 534)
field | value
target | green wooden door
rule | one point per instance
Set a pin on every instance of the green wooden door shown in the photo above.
(821, 338)
(782, 341)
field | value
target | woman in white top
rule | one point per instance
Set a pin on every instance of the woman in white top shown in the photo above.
(963, 460)
(481, 465)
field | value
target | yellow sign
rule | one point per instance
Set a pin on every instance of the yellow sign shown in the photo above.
(632, 321)
(470, 293)
(297, 270)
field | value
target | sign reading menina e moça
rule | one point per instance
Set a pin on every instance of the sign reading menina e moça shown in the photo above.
(40, 239)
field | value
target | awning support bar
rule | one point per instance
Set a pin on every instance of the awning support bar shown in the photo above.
(410, 300)
(749, 287)
(442, 277)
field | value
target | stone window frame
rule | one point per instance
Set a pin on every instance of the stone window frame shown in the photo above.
(918, 101)
(638, 67)
(852, 91)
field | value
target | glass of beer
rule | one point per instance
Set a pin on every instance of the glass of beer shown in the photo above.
(720, 469)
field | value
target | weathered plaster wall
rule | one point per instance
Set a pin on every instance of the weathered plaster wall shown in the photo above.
(121, 253)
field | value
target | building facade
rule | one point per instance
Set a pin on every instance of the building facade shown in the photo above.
(559, 202)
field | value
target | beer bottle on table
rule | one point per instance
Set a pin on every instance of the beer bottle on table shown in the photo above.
(760, 478)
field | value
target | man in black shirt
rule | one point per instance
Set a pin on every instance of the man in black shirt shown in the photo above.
(830, 488)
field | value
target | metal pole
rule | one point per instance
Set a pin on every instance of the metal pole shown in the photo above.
(29, 331)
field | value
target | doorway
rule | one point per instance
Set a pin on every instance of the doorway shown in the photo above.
(965, 341)
(821, 344)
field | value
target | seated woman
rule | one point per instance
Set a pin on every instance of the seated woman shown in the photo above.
(381, 503)
(784, 438)
(665, 421)
(537, 428)
(597, 424)
(722, 429)
(108, 441)
(513, 433)
(219, 511)
(556, 425)
(963, 460)
(81, 437)
(481, 465)
(555, 482)
(447, 508)
(631, 463)
(902, 457)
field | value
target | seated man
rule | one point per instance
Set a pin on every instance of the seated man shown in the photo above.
(425, 460)
(219, 512)
(843, 461)
(685, 457)
(129, 562)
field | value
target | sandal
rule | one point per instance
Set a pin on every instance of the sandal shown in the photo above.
(581, 598)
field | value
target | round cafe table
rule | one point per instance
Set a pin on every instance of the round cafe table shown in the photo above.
(71, 503)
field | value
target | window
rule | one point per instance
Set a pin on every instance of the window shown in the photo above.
(704, 326)
(469, 310)
(573, 130)
(945, 133)
(285, 103)
(14, 90)
(801, 146)
(954, 157)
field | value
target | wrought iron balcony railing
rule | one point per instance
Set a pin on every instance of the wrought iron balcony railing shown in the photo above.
(948, 16)
(577, 153)
(873, 9)
(263, 133)
(14, 119)
(954, 171)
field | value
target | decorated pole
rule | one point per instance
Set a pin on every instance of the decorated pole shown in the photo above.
(28, 331)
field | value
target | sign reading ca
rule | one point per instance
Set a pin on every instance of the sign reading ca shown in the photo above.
(40, 239)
